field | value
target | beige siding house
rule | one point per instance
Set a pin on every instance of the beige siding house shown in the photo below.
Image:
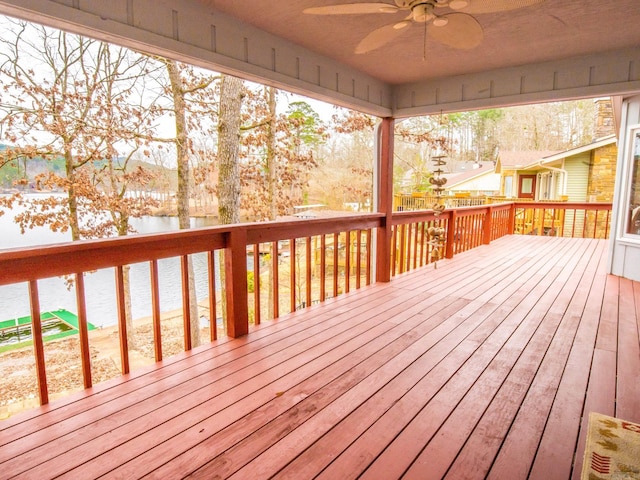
(582, 174)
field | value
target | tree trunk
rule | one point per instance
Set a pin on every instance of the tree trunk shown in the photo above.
(231, 95)
(271, 185)
(182, 152)
(228, 150)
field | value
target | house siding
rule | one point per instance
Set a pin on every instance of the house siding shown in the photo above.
(577, 168)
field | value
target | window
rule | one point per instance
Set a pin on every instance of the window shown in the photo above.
(633, 224)
(508, 186)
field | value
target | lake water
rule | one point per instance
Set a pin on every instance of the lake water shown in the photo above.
(100, 286)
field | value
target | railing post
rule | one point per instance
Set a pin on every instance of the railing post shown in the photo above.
(235, 266)
(512, 219)
(384, 205)
(488, 225)
(451, 234)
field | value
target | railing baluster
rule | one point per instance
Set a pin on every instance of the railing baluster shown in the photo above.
(38, 344)
(358, 258)
(186, 302)
(369, 270)
(256, 284)
(347, 260)
(155, 310)
(122, 320)
(411, 245)
(422, 229)
(336, 245)
(85, 354)
(403, 248)
(292, 274)
(308, 272)
(275, 254)
(213, 301)
(323, 267)
(394, 249)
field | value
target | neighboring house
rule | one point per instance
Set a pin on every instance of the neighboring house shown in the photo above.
(479, 180)
(582, 174)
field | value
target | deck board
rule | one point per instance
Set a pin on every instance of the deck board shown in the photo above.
(484, 367)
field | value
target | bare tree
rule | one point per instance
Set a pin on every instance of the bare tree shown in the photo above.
(76, 101)
(193, 98)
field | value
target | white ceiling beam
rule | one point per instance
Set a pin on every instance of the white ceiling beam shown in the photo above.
(609, 73)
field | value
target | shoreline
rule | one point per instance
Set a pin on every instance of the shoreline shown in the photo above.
(18, 383)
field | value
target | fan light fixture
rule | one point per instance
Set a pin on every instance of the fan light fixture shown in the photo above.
(458, 4)
(440, 21)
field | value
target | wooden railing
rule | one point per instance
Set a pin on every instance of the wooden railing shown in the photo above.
(403, 202)
(315, 272)
(315, 260)
(466, 228)
(585, 220)
(470, 227)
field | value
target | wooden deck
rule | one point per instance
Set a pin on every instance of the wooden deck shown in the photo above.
(482, 368)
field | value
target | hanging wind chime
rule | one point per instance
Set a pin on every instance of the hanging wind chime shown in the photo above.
(437, 232)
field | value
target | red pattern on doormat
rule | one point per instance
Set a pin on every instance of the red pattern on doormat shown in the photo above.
(632, 427)
(600, 463)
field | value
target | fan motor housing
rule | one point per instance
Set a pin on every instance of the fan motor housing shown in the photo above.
(408, 4)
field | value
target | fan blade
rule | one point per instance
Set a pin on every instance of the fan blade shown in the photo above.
(490, 6)
(352, 9)
(378, 38)
(462, 32)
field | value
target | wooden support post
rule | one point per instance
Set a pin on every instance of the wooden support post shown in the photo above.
(451, 235)
(488, 225)
(38, 344)
(235, 266)
(512, 219)
(385, 199)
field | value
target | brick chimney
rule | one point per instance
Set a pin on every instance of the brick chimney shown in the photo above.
(604, 124)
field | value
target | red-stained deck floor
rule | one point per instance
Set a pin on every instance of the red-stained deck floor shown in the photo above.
(485, 367)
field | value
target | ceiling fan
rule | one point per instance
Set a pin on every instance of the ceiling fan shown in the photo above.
(450, 20)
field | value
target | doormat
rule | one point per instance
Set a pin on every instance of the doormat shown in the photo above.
(612, 451)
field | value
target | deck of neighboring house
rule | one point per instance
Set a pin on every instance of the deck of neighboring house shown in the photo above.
(485, 366)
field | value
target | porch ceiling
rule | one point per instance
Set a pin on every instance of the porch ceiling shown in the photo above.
(540, 33)
(550, 51)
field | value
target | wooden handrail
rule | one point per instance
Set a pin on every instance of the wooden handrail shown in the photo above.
(32, 263)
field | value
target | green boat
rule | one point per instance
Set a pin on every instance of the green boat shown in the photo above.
(16, 332)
